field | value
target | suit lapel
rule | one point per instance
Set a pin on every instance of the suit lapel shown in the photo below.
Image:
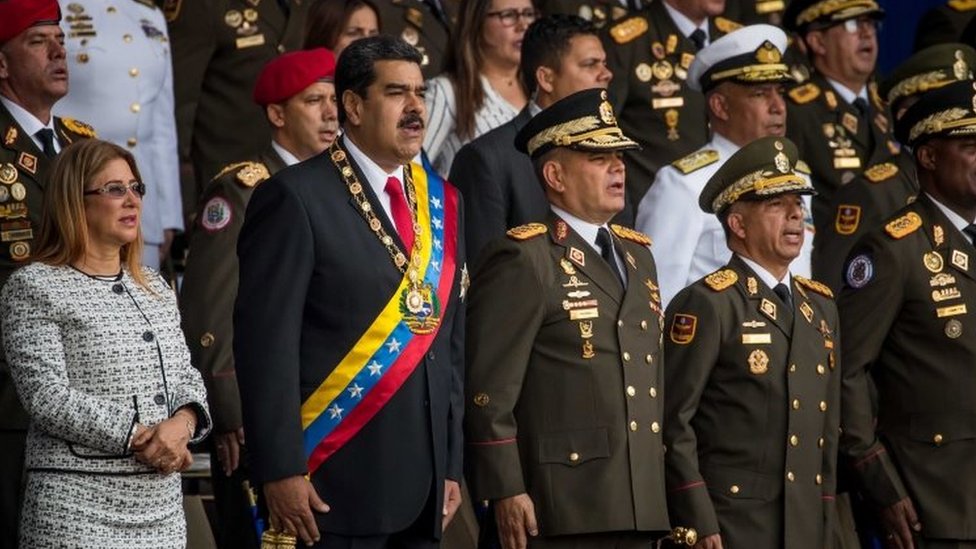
(583, 257)
(762, 298)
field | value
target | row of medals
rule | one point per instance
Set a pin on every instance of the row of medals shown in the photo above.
(943, 284)
(19, 232)
(418, 296)
(573, 303)
(664, 89)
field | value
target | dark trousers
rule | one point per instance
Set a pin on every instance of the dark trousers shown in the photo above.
(603, 540)
(415, 536)
(11, 485)
(234, 525)
(923, 543)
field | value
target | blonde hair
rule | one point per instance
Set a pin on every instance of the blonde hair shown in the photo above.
(64, 227)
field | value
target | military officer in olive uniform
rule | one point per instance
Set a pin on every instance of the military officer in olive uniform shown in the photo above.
(599, 12)
(837, 118)
(33, 77)
(563, 403)
(218, 48)
(887, 186)
(649, 55)
(209, 285)
(944, 24)
(424, 24)
(908, 310)
(752, 389)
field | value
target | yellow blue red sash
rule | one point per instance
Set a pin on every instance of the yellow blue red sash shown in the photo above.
(388, 352)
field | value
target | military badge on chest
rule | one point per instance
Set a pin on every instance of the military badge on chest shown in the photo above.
(578, 302)
(945, 293)
(244, 22)
(845, 157)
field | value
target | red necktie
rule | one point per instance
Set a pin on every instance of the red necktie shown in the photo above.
(401, 213)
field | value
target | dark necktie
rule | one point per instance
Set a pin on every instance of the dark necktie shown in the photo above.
(862, 107)
(605, 243)
(400, 212)
(46, 136)
(971, 232)
(698, 37)
(784, 295)
(634, 5)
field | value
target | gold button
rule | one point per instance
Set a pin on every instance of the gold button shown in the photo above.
(821, 370)
(206, 339)
(135, 107)
(937, 439)
(734, 489)
(653, 392)
(131, 142)
(127, 38)
(794, 440)
(792, 367)
(820, 442)
(82, 58)
(281, 48)
(823, 406)
(643, 324)
(134, 72)
(648, 359)
(631, 391)
(626, 356)
(818, 479)
(790, 476)
(796, 404)
(574, 457)
(633, 425)
(655, 427)
(481, 400)
(620, 323)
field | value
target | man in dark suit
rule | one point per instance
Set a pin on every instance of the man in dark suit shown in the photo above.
(33, 77)
(561, 55)
(348, 327)
(563, 412)
(751, 387)
(907, 310)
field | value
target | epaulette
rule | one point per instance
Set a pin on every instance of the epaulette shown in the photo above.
(802, 167)
(171, 9)
(904, 225)
(962, 5)
(630, 234)
(726, 25)
(720, 280)
(696, 160)
(626, 31)
(804, 94)
(880, 172)
(818, 287)
(525, 232)
(248, 174)
(78, 127)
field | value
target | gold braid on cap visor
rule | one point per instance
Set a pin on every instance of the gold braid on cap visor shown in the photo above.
(946, 120)
(754, 73)
(762, 184)
(579, 130)
(918, 84)
(834, 7)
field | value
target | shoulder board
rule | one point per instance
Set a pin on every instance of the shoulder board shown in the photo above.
(720, 280)
(78, 127)
(628, 30)
(228, 168)
(171, 9)
(804, 94)
(726, 25)
(696, 160)
(802, 167)
(818, 287)
(525, 232)
(904, 225)
(962, 5)
(252, 173)
(630, 234)
(881, 172)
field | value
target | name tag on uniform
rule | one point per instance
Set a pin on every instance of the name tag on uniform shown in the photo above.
(847, 162)
(667, 102)
(250, 41)
(583, 314)
(756, 339)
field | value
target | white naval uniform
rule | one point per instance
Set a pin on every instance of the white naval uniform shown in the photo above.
(689, 243)
(122, 84)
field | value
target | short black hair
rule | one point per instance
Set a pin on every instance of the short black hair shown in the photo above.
(356, 69)
(546, 41)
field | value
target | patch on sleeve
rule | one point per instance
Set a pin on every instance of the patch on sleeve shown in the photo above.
(859, 272)
(217, 214)
(848, 218)
(683, 328)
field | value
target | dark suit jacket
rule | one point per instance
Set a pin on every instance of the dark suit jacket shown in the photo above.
(313, 277)
(499, 185)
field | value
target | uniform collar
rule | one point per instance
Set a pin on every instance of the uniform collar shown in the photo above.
(687, 26)
(585, 229)
(767, 277)
(30, 123)
(846, 93)
(285, 154)
(957, 220)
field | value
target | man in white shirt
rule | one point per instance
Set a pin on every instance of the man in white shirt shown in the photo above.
(741, 75)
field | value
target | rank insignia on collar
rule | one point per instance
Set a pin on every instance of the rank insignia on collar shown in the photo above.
(807, 311)
(960, 260)
(28, 162)
(651, 285)
(577, 256)
(683, 328)
(561, 230)
(938, 235)
(758, 362)
(10, 136)
(752, 286)
(631, 261)
(567, 266)
(768, 308)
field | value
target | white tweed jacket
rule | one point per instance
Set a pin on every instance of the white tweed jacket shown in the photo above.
(90, 357)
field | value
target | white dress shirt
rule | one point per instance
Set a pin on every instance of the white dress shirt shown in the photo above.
(375, 176)
(286, 156)
(958, 221)
(588, 232)
(29, 123)
(768, 278)
(846, 93)
(685, 25)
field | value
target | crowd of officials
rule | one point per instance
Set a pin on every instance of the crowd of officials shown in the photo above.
(487, 273)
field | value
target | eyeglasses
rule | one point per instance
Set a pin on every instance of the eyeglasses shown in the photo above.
(854, 26)
(117, 189)
(508, 18)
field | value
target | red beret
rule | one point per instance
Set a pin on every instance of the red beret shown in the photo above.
(16, 16)
(289, 73)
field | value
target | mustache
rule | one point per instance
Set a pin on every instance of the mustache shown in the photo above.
(411, 118)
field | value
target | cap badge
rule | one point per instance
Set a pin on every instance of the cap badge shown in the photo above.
(782, 162)
(606, 113)
(768, 53)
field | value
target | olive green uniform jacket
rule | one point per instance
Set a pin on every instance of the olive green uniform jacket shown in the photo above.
(422, 27)
(752, 407)
(563, 391)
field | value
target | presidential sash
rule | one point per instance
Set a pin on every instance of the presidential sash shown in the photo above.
(395, 343)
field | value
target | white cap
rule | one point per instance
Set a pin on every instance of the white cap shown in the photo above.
(750, 54)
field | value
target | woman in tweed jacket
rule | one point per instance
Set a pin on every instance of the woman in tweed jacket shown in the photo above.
(94, 345)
